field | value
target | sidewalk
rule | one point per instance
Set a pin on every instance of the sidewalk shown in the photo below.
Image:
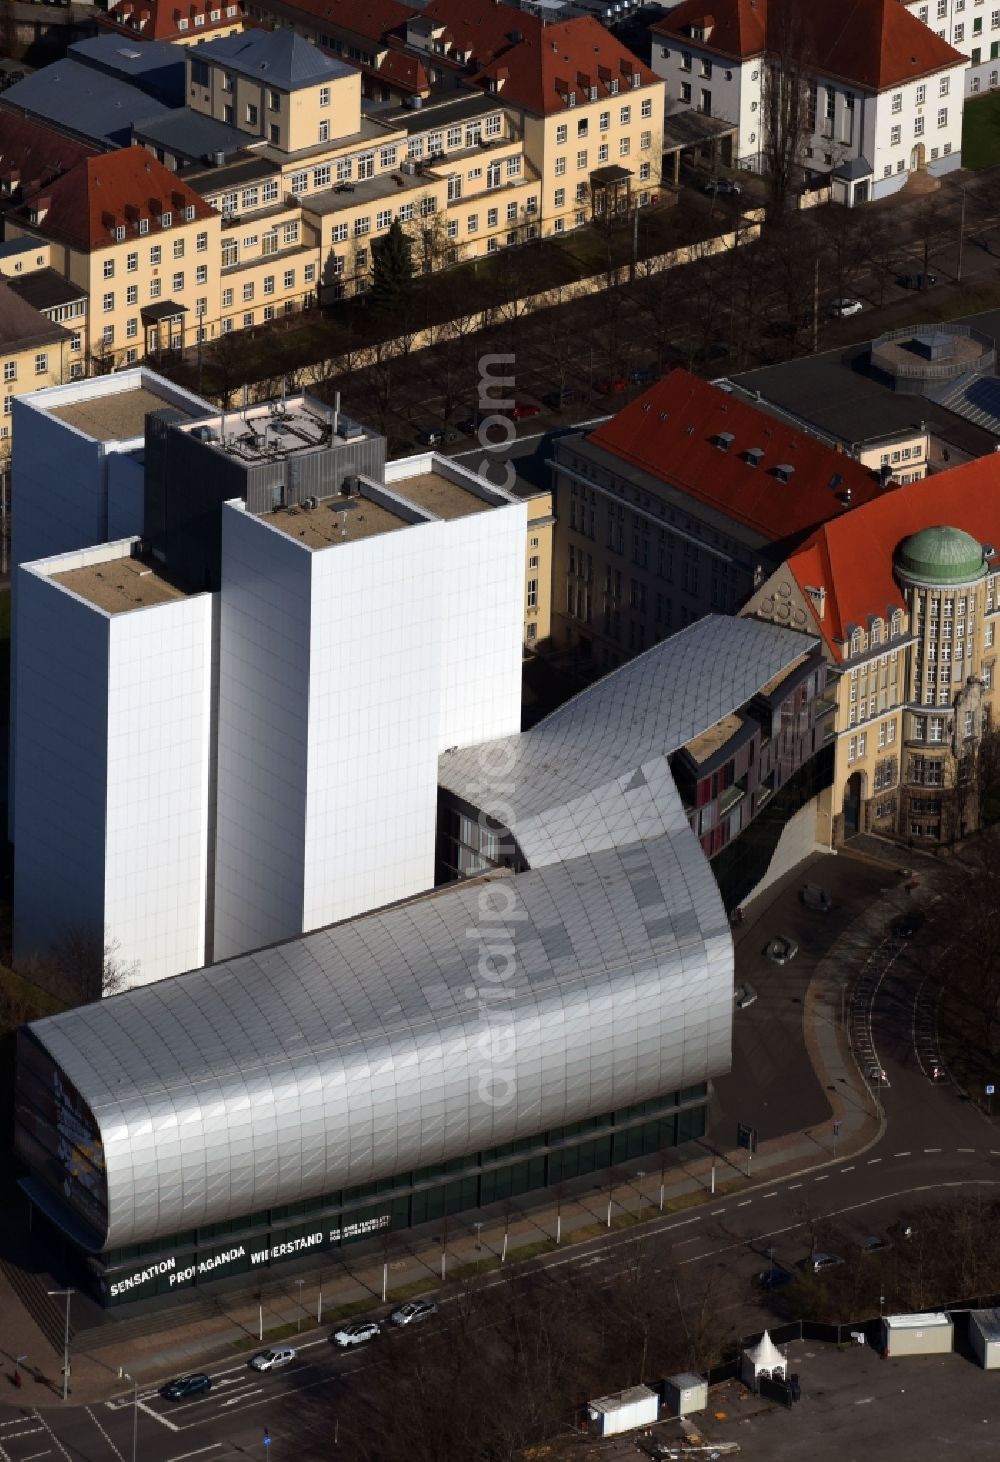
(230, 1324)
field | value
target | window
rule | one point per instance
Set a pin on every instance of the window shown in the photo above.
(269, 284)
(324, 96)
(131, 263)
(472, 223)
(387, 157)
(268, 193)
(560, 166)
(944, 86)
(604, 121)
(895, 136)
(514, 166)
(132, 295)
(943, 117)
(41, 363)
(647, 107)
(178, 248)
(366, 165)
(918, 126)
(493, 125)
(581, 160)
(511, 212)
(562, 132)
(455, 136)
(131, 329)
(230, 253)
(227, 299)
(201, 274)
(532, 593)
(109, 268)
(897, 103)
(560, 198)
(493, 175)
(383, 218)
(251, 114)
(624, 145)
(248, 291)
(626, 116)
(362, 226)
(108, 303)
(361, 258)
(921, 95)
(321, 176)
(248, 319)
(155, 288)
(288, 279)
(177, 281)
(290, 231)
(685, 91)
(299, 182)
(645, 141)
(453, 228)
(492, 218)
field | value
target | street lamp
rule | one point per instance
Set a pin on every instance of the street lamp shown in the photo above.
(123, 1375)
(68, 1295)
(298, 1318)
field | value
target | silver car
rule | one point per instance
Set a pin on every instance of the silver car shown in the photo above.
(413, 1311)
(273, 1359)
(781, 950)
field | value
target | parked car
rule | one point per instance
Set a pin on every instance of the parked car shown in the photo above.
(644, 376)
(194, 1385)
(273, 1359)
(556, 400)
(816, 898)
(917, 281)
(429, 435)
(744, 995)
(774, 1278)
(820, 1263)
(725, 187)
(413, 1311)
(781, 950)
(521, 409)
(908, 924)
(845, 307)
(356, 1334)
(610, 385)
(874, 1244)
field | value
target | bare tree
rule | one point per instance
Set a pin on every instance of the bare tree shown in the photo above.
(785, 99)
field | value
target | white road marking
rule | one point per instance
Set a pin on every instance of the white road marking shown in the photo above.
(26, 1433)
(873, 1160)
(235, 1400)
(41, 1418)
(32, 1457)
(104, 1434)
(170, 1425)
(770, 1195)
(901, 1154)
(864, 1401)
(932, 1149)
(822, 1178)
(966, 1149)
(213, 1447)
(745, 1204)
(848, 1170)
(792, 1187)
(716, 1211)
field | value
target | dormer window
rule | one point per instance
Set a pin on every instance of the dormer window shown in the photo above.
(753, 456)
(571, 99)
(724, 440)
(144, 225)
(189, 213)
(614, 86)
(636, 80)
(166, 219)
(120, 234)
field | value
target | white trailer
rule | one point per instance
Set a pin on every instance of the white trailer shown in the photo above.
(686, 1394)
(623, 1412)
(929, 1334)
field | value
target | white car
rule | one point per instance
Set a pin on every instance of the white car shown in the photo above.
(272, 1360)
(356, 1334)
(846, 307)
(412, 1311)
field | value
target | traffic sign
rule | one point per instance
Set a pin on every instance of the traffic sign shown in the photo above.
(836, 1129)
(267, 1438)
(990, 1088)
(746, 1136)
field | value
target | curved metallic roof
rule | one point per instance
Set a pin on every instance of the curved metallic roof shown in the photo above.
(382, 1044)
(941, 555)
(594, 773)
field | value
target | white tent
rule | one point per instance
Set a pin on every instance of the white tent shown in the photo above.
(763, 1361)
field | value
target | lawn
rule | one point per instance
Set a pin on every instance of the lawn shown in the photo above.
(981, 131)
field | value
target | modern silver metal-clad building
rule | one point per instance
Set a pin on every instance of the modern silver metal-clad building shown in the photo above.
(584, 991)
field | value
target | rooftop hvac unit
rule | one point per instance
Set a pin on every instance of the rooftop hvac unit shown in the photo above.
(350, 485)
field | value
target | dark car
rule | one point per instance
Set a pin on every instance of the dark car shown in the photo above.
(194, 1385)
(725, 187)
(908, 924)
(521, 409)
(815, 898)
(917, 281)
(429, 435)
(774, 1278)
(644, 376)
(875, 1244)
(556, 400)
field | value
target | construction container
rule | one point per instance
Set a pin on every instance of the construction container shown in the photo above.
(686, 1394)
(609, 1415)
(930, 1334)
(984, 1337)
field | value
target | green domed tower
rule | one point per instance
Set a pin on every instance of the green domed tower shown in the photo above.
(940, 557)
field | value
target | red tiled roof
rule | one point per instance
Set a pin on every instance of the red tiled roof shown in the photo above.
(870, 43)
(671, 432)
(156, 20)
(570, 56)
(32, 155)
(483, 28)
(851, 557)
(737, 25)
(372, 19)
(403, 69)
(117, 189)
